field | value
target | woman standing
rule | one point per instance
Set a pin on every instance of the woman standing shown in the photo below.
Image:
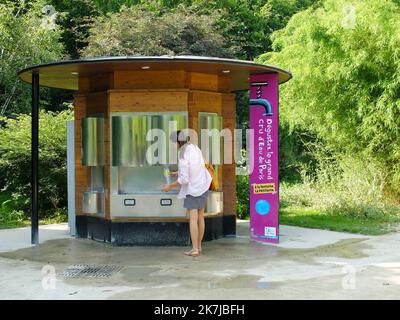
(194, 181)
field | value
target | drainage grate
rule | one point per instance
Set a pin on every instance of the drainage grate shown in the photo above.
(89, 271)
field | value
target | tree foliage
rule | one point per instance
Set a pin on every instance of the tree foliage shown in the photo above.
(246, 25)
(24, 40)
(249, 24)
(137, 31)
(110, 6)
(15, 159)
(345, 61)
(75, 19)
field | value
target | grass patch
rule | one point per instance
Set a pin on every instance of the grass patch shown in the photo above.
(27, 223)
(12, 217)
(312, 218)
(14, 224)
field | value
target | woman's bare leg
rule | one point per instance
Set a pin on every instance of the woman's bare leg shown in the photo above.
(201, 224)
(194, 230)
(188, 215)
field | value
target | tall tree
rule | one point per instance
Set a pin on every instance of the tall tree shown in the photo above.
(245, 24)
(345, 59)
(138, 31)
(26, 38)
(75, 19)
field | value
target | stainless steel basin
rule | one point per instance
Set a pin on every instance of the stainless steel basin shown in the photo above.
(214, 202)
(93, 202)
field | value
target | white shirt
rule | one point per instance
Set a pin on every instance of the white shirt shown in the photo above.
(193, 176)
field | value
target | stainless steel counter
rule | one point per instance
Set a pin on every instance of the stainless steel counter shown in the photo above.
(157, 204)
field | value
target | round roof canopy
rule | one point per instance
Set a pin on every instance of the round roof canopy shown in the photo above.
(65, 74)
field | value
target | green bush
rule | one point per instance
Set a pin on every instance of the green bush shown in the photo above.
(347, 185)
(242, 197)
(11, 216)
(350, 186)
(15, 161)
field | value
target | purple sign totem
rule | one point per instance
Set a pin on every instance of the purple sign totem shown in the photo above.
(264, 180)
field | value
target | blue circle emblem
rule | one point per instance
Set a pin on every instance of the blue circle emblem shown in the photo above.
(262, 207)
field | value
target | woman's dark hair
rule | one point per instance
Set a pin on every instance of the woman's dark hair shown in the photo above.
(179, 137)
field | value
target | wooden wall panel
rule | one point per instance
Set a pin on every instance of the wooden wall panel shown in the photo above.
(148, 100)
(170, 79)
(202, 81)
(204, 101)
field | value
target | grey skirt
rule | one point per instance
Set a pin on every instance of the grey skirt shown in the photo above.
(199, 202)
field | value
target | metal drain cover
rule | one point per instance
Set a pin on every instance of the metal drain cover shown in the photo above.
(89, 271)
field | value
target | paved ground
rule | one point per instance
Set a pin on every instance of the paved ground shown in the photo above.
(308, 264)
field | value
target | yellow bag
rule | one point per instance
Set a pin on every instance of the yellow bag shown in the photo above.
(214, 183)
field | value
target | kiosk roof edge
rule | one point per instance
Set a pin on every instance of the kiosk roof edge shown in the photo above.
(65, 74)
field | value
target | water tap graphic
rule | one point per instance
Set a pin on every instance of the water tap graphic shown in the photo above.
(259, 101)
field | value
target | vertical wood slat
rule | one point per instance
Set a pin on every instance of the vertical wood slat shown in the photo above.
(81, 172)
(107, 163)
(228, 107)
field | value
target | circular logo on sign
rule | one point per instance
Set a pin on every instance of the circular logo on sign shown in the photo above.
(262, 207)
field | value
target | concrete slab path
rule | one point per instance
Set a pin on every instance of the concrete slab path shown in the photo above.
(307, 264)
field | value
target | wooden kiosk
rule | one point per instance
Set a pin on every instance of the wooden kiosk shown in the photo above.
(117, 195)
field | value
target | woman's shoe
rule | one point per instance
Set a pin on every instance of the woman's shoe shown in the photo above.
(188, 253)
(195, 253)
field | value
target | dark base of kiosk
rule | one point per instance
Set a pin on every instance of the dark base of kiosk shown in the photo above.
(151, 233)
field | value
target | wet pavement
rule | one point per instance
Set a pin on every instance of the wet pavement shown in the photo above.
(308, 264)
